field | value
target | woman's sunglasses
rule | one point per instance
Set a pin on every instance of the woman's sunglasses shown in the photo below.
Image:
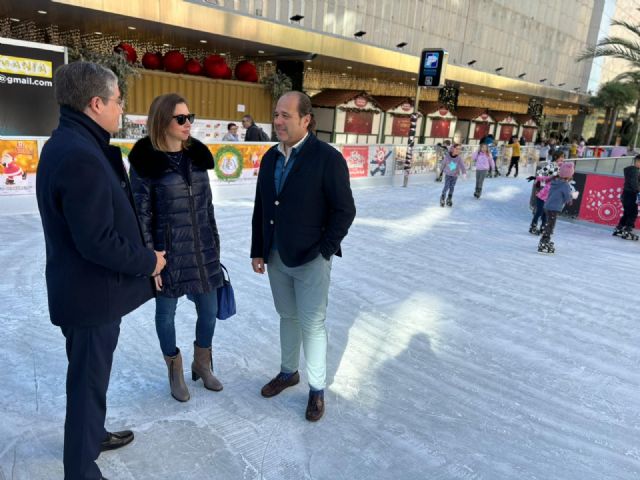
(182, 119)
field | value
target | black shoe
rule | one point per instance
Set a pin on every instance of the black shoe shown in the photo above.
(279, 383)
(315, 406)
(449, 202)
(116, 440)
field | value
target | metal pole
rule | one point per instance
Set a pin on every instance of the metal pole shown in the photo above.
(411, 141)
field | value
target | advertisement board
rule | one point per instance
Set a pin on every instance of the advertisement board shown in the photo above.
(27, 103)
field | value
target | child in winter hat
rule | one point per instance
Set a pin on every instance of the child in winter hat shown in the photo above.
(566, 170)
(542, 185)
(559, 195)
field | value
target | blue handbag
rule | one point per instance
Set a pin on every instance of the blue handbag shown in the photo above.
(226, 298)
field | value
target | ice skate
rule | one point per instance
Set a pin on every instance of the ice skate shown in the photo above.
(442, 201)
(449, 202)
(627, 234)
(617, 232)
(533, 230)
(546, 247)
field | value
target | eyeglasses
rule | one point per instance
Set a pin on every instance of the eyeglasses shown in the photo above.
(182, 119)
(118, 100)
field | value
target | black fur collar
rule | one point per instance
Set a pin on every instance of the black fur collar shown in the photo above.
(149, 162)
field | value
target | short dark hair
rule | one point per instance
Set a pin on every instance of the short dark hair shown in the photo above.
(231, 125)
(636, 158)
(160, 116)
(77, 83)
(304, 107)
(248, 117)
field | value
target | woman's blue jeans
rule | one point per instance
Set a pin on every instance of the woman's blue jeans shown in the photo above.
(207, 308)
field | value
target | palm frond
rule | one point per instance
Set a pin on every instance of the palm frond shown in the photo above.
(633, 28)
(611, 51)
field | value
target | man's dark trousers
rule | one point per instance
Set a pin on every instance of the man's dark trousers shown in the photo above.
(90, 354)
(630, 212)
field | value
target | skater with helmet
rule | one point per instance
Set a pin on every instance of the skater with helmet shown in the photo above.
(560, 194)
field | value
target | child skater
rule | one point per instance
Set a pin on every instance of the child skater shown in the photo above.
(559, 195)
(452, 165)
(484, 164)
(543, 184)
(629, 200)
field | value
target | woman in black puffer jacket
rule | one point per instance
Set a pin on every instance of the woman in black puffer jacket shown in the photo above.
(173, 196)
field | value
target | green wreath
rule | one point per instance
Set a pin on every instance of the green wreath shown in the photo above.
(228, 163)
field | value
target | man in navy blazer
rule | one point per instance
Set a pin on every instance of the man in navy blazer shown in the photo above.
(98, 268)
(303, 209)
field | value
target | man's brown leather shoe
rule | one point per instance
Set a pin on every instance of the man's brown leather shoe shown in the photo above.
(116, 440)
(315, 407)
(278, 384)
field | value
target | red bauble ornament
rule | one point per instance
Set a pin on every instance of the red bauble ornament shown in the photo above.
(215, 70)
(213, 59)
(174, 61)
(128, 50)
(152, 61)
(194, 67)
(246, 71)
(227, 73)
(215, 66)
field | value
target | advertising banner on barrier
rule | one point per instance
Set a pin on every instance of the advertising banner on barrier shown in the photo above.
(27, 102)
(381, 157)
(237, 162)
(18, 165)
(357, 159)
(601, 200)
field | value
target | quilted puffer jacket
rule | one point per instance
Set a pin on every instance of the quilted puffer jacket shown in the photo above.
(177, 215)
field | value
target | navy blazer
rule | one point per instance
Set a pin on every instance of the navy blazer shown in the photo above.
(312, 213)
(98, 268)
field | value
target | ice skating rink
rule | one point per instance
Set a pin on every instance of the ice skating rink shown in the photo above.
(456, 351)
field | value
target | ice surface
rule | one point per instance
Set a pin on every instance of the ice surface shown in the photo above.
(456, 352)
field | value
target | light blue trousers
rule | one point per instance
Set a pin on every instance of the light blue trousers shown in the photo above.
(300, 295)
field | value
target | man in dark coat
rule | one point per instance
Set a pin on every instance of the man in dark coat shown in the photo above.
(253, 132)
(98, 268)
(303, 209)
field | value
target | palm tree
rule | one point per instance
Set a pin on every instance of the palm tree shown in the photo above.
(612, 96)
(617, 47)
(633, 78)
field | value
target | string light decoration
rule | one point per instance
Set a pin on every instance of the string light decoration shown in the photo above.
(448, 96)
(535, 109)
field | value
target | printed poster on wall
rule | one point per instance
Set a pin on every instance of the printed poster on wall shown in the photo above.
(18, 166)
(357, 160)
(358, 122)
(506, 131)
(401, 126)
(381, 157)
(481, 130)
(440, 128)
(601, 200)
(528, 133)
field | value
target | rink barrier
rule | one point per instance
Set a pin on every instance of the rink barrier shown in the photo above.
(238, 163)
